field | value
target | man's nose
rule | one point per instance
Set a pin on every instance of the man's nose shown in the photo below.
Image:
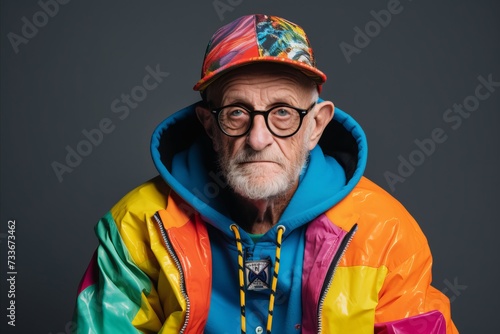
(259, 136)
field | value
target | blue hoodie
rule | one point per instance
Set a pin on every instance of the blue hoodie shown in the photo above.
(184, 157)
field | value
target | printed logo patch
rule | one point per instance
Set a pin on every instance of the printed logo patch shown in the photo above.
(257, 274)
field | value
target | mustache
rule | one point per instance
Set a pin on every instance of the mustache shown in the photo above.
(249, 155)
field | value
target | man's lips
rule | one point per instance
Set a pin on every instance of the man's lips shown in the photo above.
(257, 162)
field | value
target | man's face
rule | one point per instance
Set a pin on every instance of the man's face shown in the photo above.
(259, 165)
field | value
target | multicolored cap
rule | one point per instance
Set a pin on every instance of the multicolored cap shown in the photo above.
(257, 38)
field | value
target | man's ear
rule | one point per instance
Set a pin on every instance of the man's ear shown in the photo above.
(322, 116)
(206, 119)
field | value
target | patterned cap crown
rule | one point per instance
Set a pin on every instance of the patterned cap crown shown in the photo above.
(257, 38)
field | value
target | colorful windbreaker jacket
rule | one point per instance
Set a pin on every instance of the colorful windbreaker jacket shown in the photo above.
(351, 259)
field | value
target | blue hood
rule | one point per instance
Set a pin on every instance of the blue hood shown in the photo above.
(183, 155)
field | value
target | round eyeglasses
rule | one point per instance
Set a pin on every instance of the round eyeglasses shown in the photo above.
(283, 121)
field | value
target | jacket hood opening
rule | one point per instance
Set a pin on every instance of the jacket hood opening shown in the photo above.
(184, 156)
(339, 143)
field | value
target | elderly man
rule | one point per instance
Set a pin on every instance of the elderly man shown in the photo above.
(261, 219)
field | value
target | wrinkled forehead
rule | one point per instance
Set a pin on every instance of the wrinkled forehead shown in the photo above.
(275, 78)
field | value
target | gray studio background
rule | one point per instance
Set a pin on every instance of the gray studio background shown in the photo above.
(399, 85)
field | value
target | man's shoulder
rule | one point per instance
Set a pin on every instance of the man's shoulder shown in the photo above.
(371, 198)
(146, 198)
(128, 223)
(369, 204)
(384, 225)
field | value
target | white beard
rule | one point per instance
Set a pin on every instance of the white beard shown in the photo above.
(261, 183)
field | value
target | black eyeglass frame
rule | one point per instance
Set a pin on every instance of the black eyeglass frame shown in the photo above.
(265, 113)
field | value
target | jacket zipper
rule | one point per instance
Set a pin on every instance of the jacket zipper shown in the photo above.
(331, 271)
(174, 256)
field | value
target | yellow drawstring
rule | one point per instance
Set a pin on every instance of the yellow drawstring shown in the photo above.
(279, 237)
(241, 277)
